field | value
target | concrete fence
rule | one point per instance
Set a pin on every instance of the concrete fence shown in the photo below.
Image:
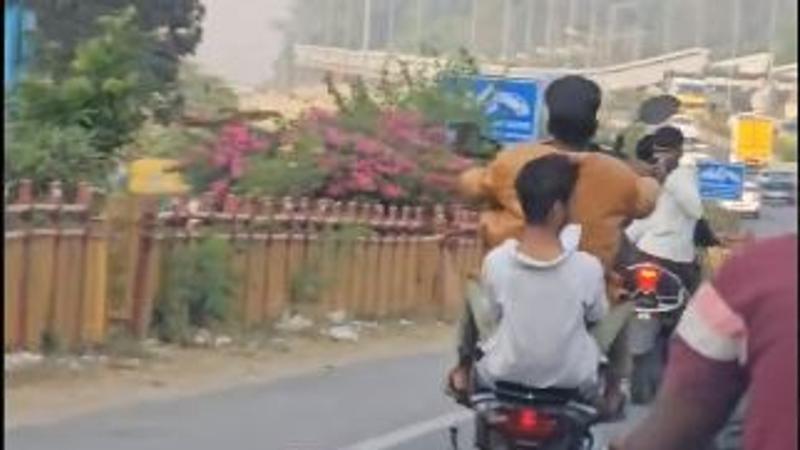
(70, 273)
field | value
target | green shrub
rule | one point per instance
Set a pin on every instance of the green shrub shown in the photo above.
(44, 152)
(283, 175)
(167, 141)
(197, 289)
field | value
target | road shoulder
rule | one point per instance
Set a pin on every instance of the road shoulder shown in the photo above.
(38, 399)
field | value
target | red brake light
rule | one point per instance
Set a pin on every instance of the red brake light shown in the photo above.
(647, 278)
(530, 423)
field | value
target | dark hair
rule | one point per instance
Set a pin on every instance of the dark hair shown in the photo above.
(668, 137)
(542, 182)
(644, 148)
(572, 104)
(572, 130)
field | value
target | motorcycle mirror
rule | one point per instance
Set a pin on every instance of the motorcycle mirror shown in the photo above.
(658, 109)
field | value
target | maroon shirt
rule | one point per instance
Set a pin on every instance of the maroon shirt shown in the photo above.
(739, 333)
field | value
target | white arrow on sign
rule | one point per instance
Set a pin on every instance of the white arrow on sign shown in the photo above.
(510, 100)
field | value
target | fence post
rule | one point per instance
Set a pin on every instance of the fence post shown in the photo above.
(141, 305)
(55, 200)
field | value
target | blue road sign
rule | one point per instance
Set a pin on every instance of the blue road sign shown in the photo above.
(512, 107)
(720, 181)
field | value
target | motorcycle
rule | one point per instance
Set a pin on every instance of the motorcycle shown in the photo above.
(658, 295)
(512, 416)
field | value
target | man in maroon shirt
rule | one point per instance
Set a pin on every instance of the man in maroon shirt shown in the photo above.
(738, 332)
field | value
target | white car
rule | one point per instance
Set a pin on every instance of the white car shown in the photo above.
(750, 203)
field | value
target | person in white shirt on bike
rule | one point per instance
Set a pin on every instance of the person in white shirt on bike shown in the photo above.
(666, 237)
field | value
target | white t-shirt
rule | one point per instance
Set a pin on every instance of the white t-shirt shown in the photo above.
(543, 309)
(668, 232)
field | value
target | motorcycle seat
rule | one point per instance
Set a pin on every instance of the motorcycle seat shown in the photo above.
(518, 393)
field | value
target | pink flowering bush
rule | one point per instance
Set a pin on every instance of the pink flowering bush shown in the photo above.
(391, 147)
(224, 160)
(404, 160)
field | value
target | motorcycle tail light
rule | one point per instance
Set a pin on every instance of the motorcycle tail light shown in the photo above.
(530, 424)
(647, 278)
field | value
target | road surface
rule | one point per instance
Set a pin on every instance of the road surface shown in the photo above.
(386, 404)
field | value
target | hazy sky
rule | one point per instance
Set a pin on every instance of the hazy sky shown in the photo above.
(240, 43)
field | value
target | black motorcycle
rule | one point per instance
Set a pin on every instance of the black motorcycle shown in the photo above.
(658, 295)
(512, 416)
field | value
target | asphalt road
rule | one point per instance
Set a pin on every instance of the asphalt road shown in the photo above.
(387, 404)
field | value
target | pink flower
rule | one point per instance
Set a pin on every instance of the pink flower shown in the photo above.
(438, 181)
(334, 137)
(219, 188)
(392, 191)
(335, 190)
(363, 182)
(367, 146)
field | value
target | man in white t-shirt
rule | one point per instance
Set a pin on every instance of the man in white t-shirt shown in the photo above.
(667, 235)
(543, 292)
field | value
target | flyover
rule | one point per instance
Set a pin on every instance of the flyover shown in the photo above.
(372, 64)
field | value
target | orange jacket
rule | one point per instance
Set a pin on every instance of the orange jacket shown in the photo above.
(608, 195)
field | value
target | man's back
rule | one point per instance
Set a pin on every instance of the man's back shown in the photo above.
(669, 231)
(608, 193)
(542, 339)
(760, 287)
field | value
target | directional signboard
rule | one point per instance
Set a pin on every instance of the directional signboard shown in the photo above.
(720, 181)
(512, 107)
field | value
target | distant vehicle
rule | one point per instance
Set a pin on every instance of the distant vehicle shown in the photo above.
(750, 203)
(753, 139)
(693, 93)
(778, 187)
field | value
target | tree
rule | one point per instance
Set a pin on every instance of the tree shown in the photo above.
(62, 25)
(105, 89)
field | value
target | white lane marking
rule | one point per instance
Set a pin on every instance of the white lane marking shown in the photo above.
(410, 432)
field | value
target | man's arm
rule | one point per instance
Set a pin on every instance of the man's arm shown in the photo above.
(684, 189)
(697, 397)
(597, 301)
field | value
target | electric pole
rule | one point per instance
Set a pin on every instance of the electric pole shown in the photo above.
(366, 25)
(549, 26)
(736, 31)
(473, 32)
(390, 37)
(506, 29)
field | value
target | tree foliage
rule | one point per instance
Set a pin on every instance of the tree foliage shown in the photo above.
(175, 25)
(104, 88)
(76, 122)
